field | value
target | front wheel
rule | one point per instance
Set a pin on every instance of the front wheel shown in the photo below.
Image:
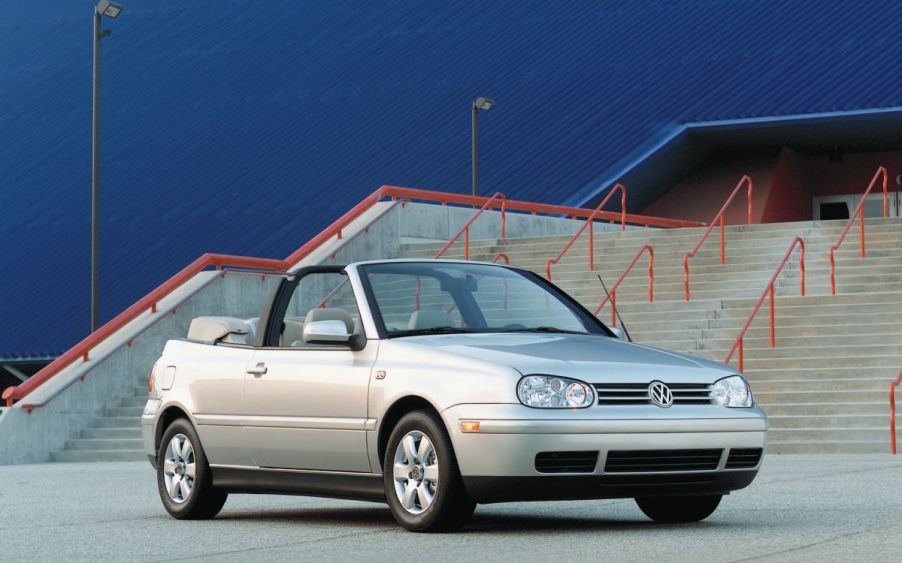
(183, 475)
(678, 510)
(422, 482)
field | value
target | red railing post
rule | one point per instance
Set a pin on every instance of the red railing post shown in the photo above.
(892, 412)
(773, 335)
(588, 223)
(723, 243)
(465, 230)
(612, 293)
(768, 291)
(859, 213)
(591, 248)
(719, 218)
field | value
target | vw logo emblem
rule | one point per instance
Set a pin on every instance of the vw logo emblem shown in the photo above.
(660, 394)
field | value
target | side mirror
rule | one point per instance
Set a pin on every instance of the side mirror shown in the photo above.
(618, 332)
(326, 332)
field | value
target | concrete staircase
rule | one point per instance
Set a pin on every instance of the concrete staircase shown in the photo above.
(825, 384)
(113, 436)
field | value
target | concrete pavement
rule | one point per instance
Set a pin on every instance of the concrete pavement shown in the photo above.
(801, 508)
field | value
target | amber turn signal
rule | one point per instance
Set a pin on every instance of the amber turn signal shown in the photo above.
(469, 426)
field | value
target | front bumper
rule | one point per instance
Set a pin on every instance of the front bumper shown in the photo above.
(498, 462)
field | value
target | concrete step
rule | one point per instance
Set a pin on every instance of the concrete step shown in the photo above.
(828, 447)
(824, 422)
(134, 411)
(753, 361)
(816, 373)
(98, 455)
(768, 398)
(117, 421)
(783, 435)
(126, 432)
(104, 444)
(812, 408)
(809, 385)
(135, 401)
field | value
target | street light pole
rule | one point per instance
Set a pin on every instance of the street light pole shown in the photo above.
(483, 104)
(111, 10)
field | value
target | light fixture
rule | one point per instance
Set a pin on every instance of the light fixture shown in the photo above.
(484, 104)
(109, 9)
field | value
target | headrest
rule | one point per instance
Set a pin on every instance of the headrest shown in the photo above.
(330, 315)
(213, 329)
(430, 319)
(293, 331)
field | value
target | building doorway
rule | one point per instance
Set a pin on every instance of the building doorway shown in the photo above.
(832, 207)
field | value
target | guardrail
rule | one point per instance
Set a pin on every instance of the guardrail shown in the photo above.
(612, 293)
(589, 220)
(81, 351)
(892, 412)
(719, 218)
(769, 290)
(859, 212)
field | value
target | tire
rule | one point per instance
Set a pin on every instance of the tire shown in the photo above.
(184, 497)
(425, 495)
(678, 510)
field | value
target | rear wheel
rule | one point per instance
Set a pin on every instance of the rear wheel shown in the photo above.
(422, 482)
(675, 510)
(183, 475)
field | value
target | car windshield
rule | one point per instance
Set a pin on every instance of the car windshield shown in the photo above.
(415, 298)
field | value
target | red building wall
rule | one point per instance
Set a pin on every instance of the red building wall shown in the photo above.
(784, 185)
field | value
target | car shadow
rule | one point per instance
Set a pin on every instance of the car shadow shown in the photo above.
(377, 516)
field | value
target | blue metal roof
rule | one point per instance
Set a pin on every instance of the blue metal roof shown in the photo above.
(244, 127)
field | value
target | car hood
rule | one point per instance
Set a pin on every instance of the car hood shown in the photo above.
(591, 358)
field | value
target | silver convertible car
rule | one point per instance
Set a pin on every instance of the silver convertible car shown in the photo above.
(437, 385)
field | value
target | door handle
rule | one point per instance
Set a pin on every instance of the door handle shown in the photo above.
(260, 369)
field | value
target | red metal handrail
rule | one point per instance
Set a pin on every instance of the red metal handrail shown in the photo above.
(147, 303)
(769, 290)
(502, 256)
(465, 230)
(589, 220)
(612, 293)
(219, 261)
(859, 211)
(892, 412)
(718, 218)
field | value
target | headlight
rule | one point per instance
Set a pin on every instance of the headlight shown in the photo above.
(551, 392)
(732, 391)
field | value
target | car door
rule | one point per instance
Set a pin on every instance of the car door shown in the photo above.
(306, 405)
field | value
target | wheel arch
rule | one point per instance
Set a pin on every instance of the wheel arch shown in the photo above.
(165, 418)
(395, 412)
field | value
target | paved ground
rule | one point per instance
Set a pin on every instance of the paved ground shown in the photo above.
(801, 508)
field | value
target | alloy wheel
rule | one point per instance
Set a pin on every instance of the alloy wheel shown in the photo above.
(415, 472)
(179, 468)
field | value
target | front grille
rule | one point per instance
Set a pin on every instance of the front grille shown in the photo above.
(662, 460)
(743, 458)
(637, 393)
(566, 462)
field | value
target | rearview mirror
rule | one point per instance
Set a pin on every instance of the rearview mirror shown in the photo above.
(326, 332)
(618, 332)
